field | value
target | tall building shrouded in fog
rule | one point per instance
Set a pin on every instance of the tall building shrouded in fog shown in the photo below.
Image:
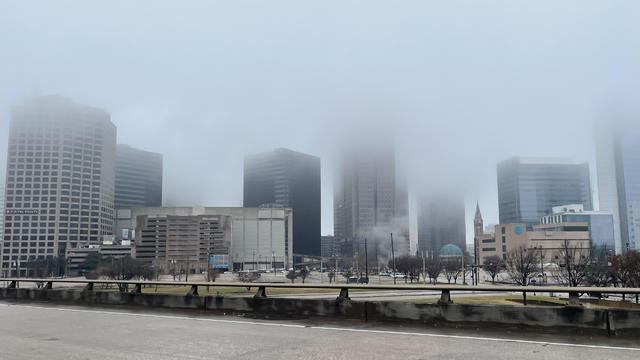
(60, 180)
(369, 201)
(441, 221)
(618, 168)
(138, 177)
(289, 179)
(528, 188)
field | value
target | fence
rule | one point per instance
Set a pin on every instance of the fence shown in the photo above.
(445, 297)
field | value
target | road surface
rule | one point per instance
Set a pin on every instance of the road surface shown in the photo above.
(47, 331)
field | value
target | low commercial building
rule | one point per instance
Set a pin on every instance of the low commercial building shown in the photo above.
(600, 223)
(76, 256)
(548, 239)
(237, 238)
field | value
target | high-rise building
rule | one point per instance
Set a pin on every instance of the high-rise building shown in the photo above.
(528, 188)
(441, 221)
(618, 168)
(138, 177)
(60, 180)
(289, 179)
(369, 202)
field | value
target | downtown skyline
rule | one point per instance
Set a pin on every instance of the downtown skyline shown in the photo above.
(302, 89)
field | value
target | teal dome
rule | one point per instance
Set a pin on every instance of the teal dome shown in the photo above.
(450, 250)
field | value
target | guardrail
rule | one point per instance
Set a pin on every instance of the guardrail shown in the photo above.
(445, 297)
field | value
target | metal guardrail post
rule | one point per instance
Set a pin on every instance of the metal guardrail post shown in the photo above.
(573, 298)
(193, 291)
(344, 294)
(49, 285)
(137, 289)
(445, 297)
(262, 293)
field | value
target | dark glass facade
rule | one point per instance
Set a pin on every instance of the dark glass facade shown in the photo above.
(528, 189)
(138, 177)
(290, 179)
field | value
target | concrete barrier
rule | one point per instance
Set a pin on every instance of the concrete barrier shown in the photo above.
(614, 322)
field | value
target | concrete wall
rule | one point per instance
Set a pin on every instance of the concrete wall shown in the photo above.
(552, 318)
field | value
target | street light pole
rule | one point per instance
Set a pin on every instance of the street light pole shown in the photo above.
(366, 260)
(393, 256)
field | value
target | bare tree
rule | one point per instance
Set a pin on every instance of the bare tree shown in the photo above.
(433, 269)
(248, 276)
(407, 265)
(572, 265)
(451, 269)
(626, 269)
(303, 273)
(125, 268)
(494, 265)
(331, 275)
(292, 275)
(522, 265)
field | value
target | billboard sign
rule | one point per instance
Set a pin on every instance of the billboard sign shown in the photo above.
(219, 261)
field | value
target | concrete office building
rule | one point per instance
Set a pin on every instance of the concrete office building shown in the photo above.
(292, 180)
(2, 178)
(369, 202)
(618, 169)
(60, 179)
(138, 177)
(529, 187)
(600, 225)
(187, 243)
(547, 239)
(441, 221)
(260, 238)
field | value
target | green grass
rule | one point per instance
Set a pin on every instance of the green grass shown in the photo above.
(234, 291)
(516, 300)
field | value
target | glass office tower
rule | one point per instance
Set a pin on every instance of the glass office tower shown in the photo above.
(528, 188)
(288, 179)
(618, 166)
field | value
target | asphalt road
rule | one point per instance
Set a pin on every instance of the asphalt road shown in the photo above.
(43, 331)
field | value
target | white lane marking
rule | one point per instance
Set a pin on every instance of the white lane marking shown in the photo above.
(327, 328)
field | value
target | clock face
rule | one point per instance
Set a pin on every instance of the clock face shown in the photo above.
(518, 229)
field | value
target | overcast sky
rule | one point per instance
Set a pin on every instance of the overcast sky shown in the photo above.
(465, 83)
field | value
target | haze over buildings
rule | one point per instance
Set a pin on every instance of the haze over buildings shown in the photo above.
(505, 79)
(441, 221)
(369, 201)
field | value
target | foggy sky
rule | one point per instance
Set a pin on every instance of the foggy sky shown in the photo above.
(464, 83)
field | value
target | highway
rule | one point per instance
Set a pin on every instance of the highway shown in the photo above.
(47, 331)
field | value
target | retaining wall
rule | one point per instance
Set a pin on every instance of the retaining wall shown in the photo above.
(556, 318)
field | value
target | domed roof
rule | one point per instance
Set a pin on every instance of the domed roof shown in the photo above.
(450, 250)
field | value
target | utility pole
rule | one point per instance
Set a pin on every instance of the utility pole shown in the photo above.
(393, 256)
(424, 271)
(366, 260)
